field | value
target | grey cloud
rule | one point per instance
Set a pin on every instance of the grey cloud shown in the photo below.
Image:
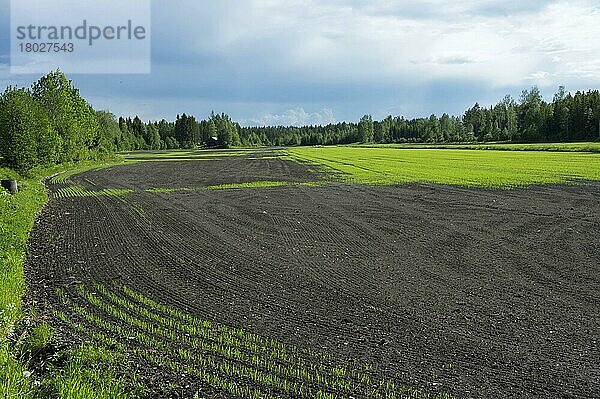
(265, 61)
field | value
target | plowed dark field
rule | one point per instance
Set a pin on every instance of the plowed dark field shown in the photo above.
(475, 292)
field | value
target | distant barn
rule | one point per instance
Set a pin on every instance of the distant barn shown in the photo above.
(212, 142)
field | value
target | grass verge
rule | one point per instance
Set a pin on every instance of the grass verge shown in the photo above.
(89, 372)
(76, 380)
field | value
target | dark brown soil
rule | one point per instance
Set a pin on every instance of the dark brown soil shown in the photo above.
(201, 173)
(480, 293)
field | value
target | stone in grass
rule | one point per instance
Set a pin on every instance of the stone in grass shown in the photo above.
(11, 186)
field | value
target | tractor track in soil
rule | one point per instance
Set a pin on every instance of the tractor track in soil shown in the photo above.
(476, 292)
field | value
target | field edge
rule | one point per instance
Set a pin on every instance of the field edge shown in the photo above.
(25, 339)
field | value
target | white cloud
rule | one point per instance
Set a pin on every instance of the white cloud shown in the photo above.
(294, 117)
(255, 59)
(499, 43)
(455, 59)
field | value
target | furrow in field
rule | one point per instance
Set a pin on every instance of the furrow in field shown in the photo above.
(284, 376)
(483, 292)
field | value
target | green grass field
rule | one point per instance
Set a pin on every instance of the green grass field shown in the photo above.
(503, 169)
(561, 147)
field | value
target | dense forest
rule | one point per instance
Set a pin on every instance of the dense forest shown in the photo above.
(567, 118)
(185, 132)
(51, 123)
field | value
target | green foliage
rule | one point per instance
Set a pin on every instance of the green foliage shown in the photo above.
(531, 114)
(255, 184)
(109, 135)
(184, 133)
(78, 191)
(212, 129)
(187, 131)
(27, 139)
(152, 138)
(51, 123)
(18, 134)
(17, 213)
(365, 129)
(181, 155)
(567, 118)
(227, 131)
(70, 115)
(127, 141)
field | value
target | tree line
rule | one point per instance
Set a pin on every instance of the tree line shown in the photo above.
(566, 118)
(185, 132)
(50, 123)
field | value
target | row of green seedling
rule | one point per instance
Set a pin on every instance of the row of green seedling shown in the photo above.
(227, 359)
(79, 191)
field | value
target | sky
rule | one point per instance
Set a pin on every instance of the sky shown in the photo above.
(288, 62)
